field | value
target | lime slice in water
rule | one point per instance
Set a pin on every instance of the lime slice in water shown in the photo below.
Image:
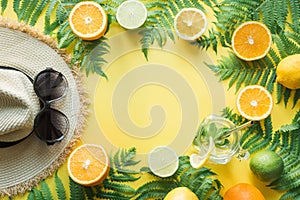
(131, 14)
(163, 161)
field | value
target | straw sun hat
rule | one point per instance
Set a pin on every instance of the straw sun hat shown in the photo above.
(24, 53)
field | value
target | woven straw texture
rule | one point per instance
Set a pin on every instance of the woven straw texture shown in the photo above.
(24, 165)
(18, 104)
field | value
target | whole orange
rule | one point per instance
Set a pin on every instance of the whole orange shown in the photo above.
(243, 191)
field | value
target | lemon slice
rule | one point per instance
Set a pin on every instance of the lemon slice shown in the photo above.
(131, 14)
(190, 23)
(163, 161)
(198, 160)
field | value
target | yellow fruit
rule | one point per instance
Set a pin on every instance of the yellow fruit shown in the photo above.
(88, 164)
(190, 23)
(254, 102)
(288, 72)
(181, 193)
(243, 191)
(251, 41)
(88, 20)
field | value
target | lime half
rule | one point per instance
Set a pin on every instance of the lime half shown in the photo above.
(131, 14)
(163, 161)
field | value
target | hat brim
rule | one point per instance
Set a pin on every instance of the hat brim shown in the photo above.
(23, 165)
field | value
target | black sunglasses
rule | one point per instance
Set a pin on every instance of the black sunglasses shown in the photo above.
(50, 125)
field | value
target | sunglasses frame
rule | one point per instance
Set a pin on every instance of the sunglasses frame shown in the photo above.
(45, 106)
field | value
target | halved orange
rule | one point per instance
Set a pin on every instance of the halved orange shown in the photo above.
(251, 41)
(254, 102)
(88, 164)
(88, 20)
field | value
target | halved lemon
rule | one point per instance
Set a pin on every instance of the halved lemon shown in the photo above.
(163, 161)
(190, 23)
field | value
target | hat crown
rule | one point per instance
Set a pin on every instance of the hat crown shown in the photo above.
(18, 105)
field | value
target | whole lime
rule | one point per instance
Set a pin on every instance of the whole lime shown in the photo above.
(266, 165)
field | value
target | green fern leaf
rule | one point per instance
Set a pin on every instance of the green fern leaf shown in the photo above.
(3, 6)
(124, 178)
(51, 26)
(31, 195)
(76, 190)
(291, 194)
(38, 194)
(152, 194)
(296, 97)
(60, 189)
(215, 195)
(16, 6)
(157, 185)
(46, 191)
(40, 7)
(26, 9)
(89, 193)
(122, 188)
(112, 196)
(204, 188)
(295, 13)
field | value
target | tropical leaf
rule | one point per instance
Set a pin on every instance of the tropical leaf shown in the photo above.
(3, 6)
(60, 189)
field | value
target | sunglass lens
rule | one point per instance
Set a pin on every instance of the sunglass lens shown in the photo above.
(50, 85)
(51, 125)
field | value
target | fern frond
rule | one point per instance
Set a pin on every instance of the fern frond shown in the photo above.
(46, 191)
(112, 196)
(291, 194)
(117, 187)
(3, 6)
(38, 194)
(89, 193)
(157, 185)
(296, 97)
(76, 190)
(295, 13)
(31, 195)
(152, 194)
(40, 7)
(60, 189)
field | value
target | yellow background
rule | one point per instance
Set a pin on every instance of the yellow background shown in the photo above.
(102, 129)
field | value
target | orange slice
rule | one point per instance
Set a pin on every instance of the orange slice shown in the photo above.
(88, 164)
(88, 20)
(254, 102)
(190, 23)
(251, 41)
